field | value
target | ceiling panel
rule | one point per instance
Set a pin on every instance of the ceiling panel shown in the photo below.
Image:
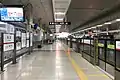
(81, 11)
(60, 6)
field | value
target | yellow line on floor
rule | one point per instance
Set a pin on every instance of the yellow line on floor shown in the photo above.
(78, 70)
(80, 73)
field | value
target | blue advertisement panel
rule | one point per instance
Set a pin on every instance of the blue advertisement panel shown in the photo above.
(11, 14)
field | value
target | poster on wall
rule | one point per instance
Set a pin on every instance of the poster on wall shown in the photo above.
(23, 39)
(8, 41)
(31, 39)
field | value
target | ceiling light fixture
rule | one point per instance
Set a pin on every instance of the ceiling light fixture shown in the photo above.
(58, 25)
(59, 19)
(60, 13)
(117, 19)
(99, 25)
(107, 23)
(93, 27)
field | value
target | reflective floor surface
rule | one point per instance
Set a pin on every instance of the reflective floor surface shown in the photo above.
(52, 62)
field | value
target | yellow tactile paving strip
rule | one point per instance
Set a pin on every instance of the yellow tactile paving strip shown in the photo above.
(79, 71)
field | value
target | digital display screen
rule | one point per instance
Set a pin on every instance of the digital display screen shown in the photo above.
(12, 14)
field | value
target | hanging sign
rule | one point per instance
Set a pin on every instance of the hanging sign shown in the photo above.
(59, 23)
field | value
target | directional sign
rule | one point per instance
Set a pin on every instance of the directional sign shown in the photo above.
(59, 23)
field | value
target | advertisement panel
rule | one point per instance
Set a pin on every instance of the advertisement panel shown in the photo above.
(12, 14)
(23, 39)
(8, 40)
(118, 45)
(8, 47)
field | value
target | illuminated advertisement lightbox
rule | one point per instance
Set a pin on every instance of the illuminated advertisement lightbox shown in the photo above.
(12, 14)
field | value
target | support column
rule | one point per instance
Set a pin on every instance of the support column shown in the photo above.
(29, 16)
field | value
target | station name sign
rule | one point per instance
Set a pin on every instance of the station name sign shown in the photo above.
(59, 23)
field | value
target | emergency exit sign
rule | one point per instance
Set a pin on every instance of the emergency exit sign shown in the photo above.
(59, 23)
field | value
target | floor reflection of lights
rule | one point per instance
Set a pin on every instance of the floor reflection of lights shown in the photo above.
(30, 68)
(61, 74)
(58, 58)
(24, 74)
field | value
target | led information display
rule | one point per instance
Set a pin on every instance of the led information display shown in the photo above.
(59, 23)
(11, 14)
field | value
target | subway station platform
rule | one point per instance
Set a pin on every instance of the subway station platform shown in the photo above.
(53, 62)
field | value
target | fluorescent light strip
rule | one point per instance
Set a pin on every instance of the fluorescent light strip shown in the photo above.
(58, 25)
(99, 25)
(117, 19)
(107, 23)
(59, 19)
(60, 13)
